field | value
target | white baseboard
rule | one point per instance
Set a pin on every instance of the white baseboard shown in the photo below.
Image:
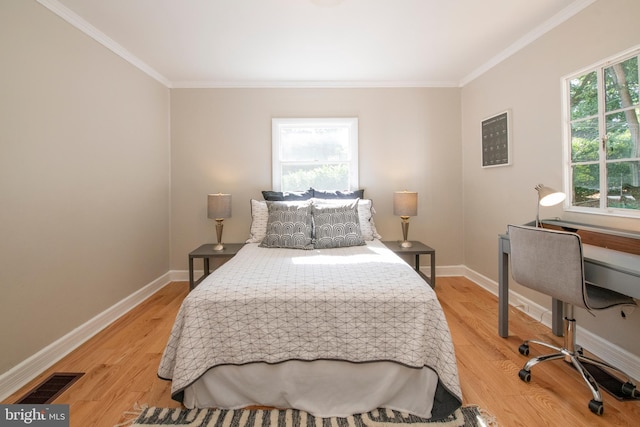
(183, 275)
(28, 369)
(598, 346)
(531, 308)
(446, 271)
(33, 366)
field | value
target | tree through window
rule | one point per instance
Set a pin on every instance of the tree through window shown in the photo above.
(604, 137)
(318, 153)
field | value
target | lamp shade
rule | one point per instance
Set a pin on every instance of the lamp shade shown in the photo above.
(547, 196)
(219, 206)
(405, 203)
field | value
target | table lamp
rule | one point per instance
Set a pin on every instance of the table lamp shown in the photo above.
(219, 208)
(405, 205)
(547, 196)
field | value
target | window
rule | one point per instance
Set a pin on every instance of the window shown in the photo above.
(318, 153)
(603, 138)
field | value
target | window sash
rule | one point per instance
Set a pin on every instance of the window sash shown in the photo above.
(348, 157)
(608, 204)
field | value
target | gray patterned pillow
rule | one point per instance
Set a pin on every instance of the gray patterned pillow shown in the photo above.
(365, 214)
(336, 227)
(288, 226)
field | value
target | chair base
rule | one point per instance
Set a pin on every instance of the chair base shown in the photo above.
(574, 355)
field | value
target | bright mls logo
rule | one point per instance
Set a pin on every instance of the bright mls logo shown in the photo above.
(34, 415)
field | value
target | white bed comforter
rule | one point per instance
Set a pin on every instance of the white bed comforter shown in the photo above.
(356, 304)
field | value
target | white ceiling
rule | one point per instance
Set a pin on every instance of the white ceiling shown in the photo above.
(282, 43)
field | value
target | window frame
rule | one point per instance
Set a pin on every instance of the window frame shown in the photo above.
(601, 115)
(351, 123)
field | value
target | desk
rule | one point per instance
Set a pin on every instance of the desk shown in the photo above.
(607, 268)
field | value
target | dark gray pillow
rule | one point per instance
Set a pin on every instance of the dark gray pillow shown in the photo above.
(279, 196)
(337, 194)
(336, 227)
(288, 226)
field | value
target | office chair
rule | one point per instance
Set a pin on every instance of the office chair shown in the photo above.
(552, 262)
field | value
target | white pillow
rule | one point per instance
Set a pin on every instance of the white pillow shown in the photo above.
(259, 218)
(365, 214)
(374, 232)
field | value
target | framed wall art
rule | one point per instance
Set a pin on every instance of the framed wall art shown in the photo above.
(496, 140)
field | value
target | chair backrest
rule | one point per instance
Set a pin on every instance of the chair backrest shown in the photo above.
(548, 261)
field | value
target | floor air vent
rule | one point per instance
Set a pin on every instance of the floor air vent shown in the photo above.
(49, 389)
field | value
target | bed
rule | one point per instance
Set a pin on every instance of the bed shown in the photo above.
(333, 331)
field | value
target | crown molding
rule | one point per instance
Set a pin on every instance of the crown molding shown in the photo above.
(568, 12)
(72, 18)
(188, 84)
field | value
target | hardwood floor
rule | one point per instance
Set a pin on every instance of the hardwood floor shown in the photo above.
(488, 366)
(120, 366)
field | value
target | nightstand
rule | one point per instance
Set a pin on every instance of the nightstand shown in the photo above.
(417, 249)
(206, 252)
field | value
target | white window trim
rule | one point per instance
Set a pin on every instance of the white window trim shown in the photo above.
(278, 123)
(566, 138)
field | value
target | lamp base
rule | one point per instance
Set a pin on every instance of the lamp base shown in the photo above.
(405, 232)
(219, 226)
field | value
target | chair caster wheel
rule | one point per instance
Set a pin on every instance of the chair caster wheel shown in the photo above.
(630, 390)
(596, 407)
(524, 375)
(524, 349)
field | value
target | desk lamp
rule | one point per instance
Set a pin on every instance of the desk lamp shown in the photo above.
(547, 196)
(218, 208)
(405, 205)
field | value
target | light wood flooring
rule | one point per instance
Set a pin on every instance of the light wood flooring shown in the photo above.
(120, 366)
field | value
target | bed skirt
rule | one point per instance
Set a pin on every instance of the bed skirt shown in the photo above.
(323, 388)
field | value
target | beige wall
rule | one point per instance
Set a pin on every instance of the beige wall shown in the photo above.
(84, 179)
(88, 179)
(529, 83)
(408, 139)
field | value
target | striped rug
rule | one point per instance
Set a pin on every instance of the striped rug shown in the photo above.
(467, 416)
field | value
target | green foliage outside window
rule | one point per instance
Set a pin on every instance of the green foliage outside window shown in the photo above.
(606, 140)
(315, 152)
(323, 177)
